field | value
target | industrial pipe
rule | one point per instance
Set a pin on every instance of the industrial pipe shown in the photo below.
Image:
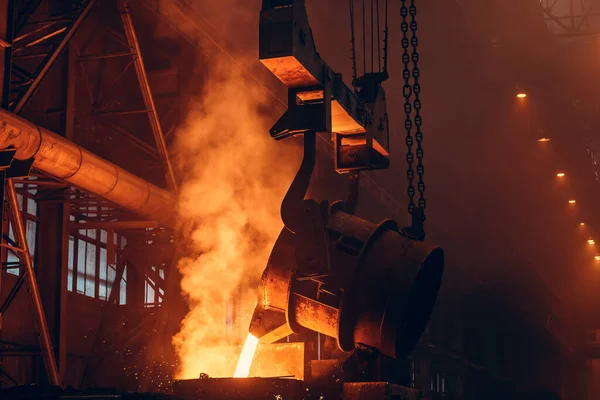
(67, 161)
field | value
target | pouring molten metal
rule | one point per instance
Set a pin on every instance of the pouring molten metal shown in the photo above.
(245, 361)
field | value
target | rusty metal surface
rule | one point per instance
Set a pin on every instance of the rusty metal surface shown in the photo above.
(290, 71)
(269, 322)
(314, 315)
(324, 369)
(241, 388)
(63, 159)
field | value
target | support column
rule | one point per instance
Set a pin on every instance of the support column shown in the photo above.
(52, 269)
(136, 278)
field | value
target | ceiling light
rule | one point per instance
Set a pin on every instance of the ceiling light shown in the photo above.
(591, 241)
(572, 201)
(560, 174)
(544, 139)
(597, 258)
(582, 224)
(521, 95)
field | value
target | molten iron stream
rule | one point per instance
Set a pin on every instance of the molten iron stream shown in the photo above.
(245, 361)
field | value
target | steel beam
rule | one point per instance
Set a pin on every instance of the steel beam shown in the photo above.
(52, 269)
(34, 290)
(71, 98)
(114, 225)
(32, 89)
(140, 70)
(7, 33)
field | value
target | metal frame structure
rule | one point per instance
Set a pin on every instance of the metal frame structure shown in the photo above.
(30, 53)
(576, 21)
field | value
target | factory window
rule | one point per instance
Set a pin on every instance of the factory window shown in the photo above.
(153, 283)
(28, 206)
(438, 384)
(91, 272)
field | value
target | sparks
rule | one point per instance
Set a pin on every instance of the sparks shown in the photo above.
(245, 361)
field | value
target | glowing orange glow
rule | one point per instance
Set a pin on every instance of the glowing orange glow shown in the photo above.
(245, 361)
(544, 139)
(597, 258)
(572, 201)
(560, 174)
(521, 95)
(582, 224)
(229, 204)
(591, 241)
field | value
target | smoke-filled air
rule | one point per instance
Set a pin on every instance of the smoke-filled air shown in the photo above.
(235, 177)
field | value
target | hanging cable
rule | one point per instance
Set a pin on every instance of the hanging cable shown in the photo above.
(353, 41)
(385, 40)
(372, 38)
(364, 24)
(380, 74)
(378, 40)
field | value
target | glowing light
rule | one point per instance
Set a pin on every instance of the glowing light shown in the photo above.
(245, 361)
(560, 174)
(521, 95)
(597, 258)
(582, 224)
(544, 139)
(591, 241)
(572, 201)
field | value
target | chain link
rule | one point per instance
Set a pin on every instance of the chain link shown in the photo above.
(417, 106)
(407, 91)
(412, 92)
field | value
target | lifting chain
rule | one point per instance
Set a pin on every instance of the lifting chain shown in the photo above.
(412, 92)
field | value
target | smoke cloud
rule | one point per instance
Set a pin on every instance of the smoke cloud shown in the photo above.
(235, 177)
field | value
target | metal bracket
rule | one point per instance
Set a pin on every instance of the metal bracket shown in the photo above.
(416, 230)
(354, 188)
(312, 252)
(291, 206)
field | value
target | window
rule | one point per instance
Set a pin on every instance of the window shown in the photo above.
(91, 272)
(25, 196)
(154, 297)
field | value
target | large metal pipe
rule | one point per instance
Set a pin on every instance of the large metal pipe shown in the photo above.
(65, 160)
(378, 289)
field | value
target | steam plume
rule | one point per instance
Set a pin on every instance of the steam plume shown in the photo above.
(235, 179)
